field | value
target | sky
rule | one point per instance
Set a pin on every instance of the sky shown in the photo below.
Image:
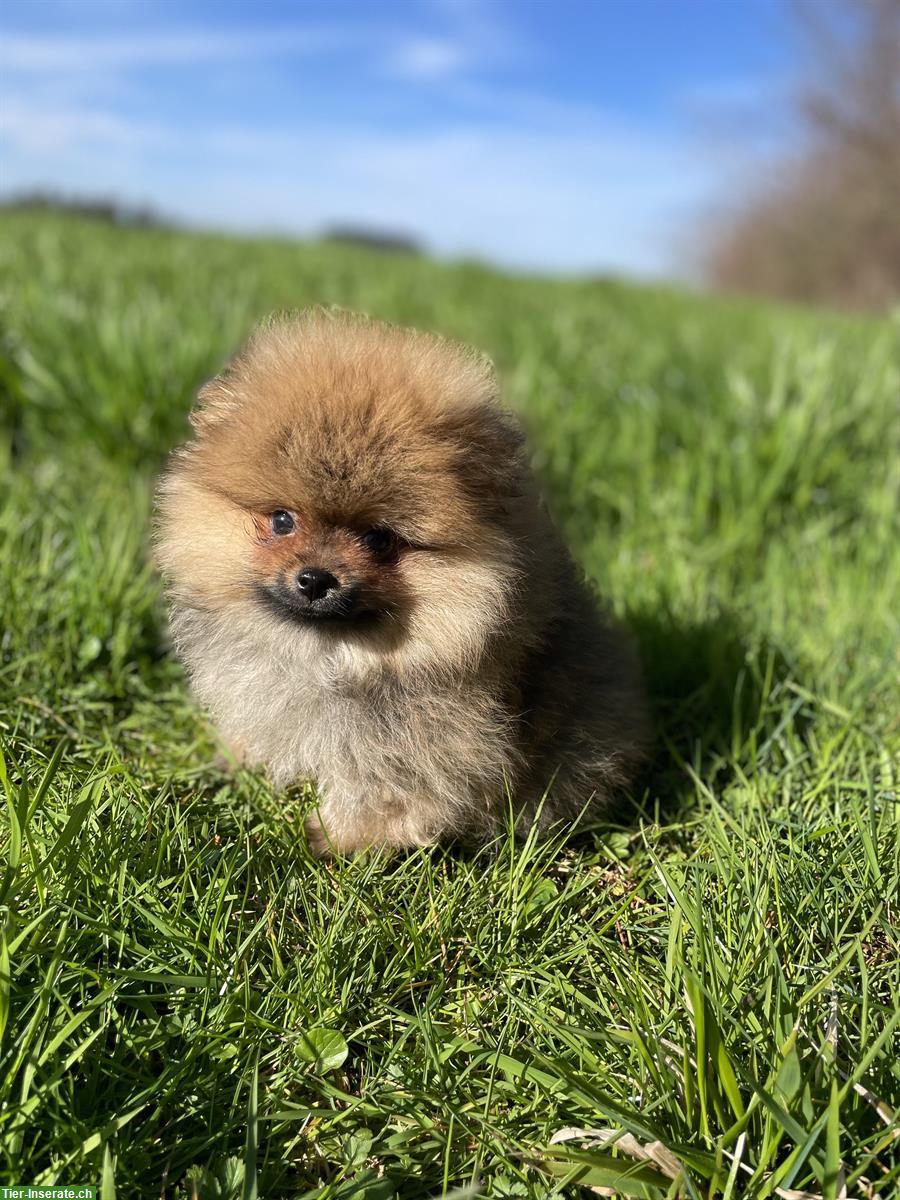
(578, 136)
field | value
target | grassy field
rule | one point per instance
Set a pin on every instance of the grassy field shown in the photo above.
(194, 1006)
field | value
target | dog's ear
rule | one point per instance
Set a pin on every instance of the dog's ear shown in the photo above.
(490, 450)
(216, 400)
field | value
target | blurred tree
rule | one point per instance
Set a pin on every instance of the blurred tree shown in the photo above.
(825, 227)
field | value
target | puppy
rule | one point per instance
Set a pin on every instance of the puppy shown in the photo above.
(366, 592)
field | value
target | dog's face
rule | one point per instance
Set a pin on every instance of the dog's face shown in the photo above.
(313, 570)
(350, 481)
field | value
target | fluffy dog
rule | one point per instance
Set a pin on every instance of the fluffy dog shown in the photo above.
(366, 591)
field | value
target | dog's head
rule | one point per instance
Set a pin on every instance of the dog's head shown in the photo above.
(353, 481)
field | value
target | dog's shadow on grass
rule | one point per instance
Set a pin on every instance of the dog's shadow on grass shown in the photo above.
(711, 684)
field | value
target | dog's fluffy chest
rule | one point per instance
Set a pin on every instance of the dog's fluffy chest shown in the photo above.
(305, 710)
(287, 705)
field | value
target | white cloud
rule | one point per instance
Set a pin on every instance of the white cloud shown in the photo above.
(47, 53)
(427, 58)
(37, 130)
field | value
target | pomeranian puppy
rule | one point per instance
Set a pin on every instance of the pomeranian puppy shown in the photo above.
(367, 593)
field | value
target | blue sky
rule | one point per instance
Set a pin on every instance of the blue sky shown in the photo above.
(552, 135)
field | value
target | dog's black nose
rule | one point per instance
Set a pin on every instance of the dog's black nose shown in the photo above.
(315, 583)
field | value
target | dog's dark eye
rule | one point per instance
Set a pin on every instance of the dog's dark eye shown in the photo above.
(379, 542)
(282, 522)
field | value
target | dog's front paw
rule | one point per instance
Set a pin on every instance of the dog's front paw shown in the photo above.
(230, 757)
(317, 837)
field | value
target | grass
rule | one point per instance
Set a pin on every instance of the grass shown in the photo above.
(701, 993)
